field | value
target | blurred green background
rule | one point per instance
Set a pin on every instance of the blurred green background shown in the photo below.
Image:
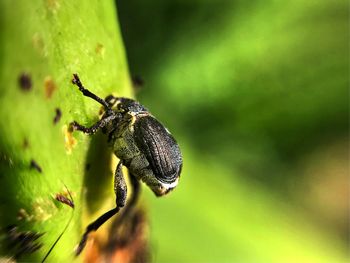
(256, 93)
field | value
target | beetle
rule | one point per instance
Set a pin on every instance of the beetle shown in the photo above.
(141, 143)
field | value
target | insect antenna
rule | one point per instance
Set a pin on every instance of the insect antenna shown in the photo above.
(76, 81)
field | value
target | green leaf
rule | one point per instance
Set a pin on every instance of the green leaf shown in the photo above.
(42, 44)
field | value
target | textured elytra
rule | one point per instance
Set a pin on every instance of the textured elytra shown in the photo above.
(159, 147)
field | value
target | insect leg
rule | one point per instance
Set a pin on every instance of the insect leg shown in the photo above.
(94, 128)
(135, 184)
(87, 93)
(120, 188)
(93, 227)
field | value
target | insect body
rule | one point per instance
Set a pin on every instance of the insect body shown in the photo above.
(142, 144)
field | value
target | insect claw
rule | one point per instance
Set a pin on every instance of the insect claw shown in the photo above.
(75, 79)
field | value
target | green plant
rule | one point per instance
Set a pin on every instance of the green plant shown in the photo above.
(42, 44)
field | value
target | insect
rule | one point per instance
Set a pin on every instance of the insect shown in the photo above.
(141, 143)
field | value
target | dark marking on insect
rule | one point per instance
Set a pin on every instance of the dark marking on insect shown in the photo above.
(22, 242)
(58, 116)
(25, 81)
(142, 144)
(35, 165)
(64, 199)
(87, 166)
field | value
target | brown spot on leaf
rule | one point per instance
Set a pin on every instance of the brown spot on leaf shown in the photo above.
(65, 199)
(69, 141)
(38, 43)
(25, 81)
(43, 209)
(58, 116)
(25, 143)
(100, 49)
(35, 165)
(21, 242)
(53, 5)
(49, 87)
(22, 214)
